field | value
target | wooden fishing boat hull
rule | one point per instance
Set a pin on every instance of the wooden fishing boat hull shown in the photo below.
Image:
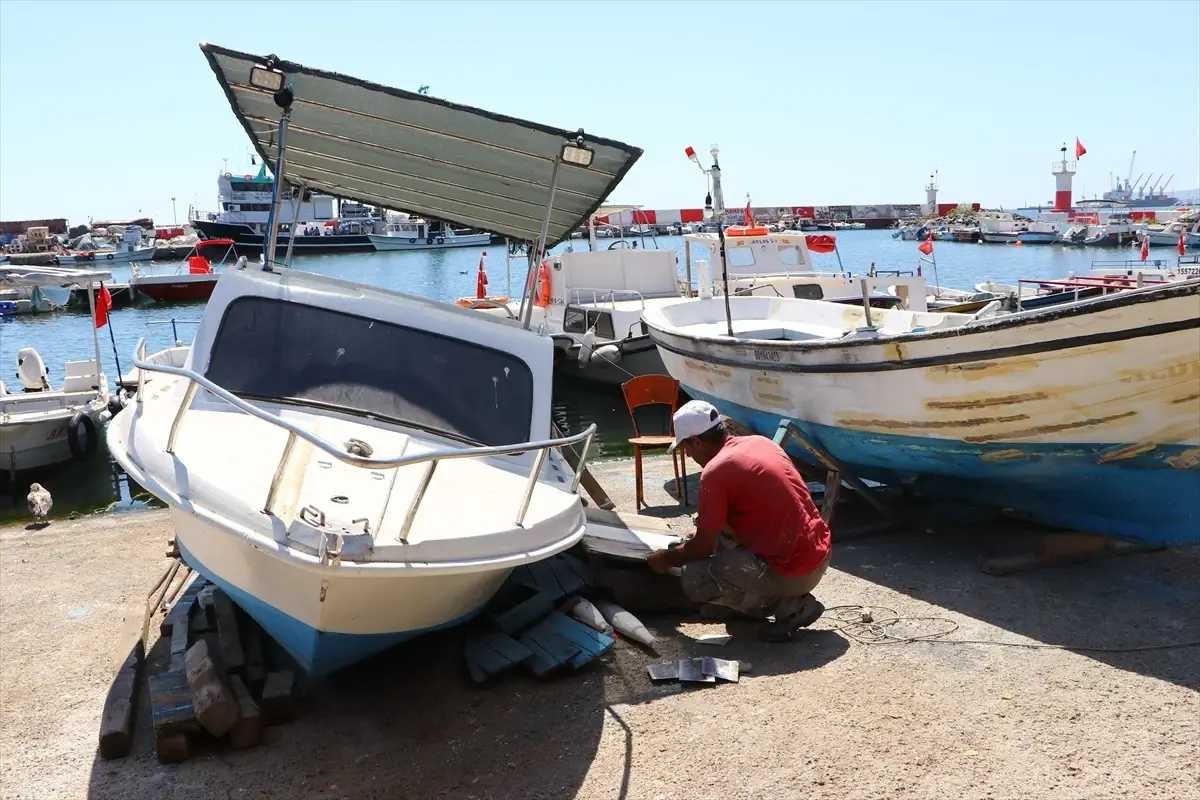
(1084, 416)
(176, 288)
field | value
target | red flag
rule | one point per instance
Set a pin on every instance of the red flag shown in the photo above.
(1181, 245)
(749, 216)
(1079, 148)
(1145, 246)
(926, 246)
(103, 306)
(481, 280)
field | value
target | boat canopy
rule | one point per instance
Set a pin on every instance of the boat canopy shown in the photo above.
(51, 276)
(410, 152)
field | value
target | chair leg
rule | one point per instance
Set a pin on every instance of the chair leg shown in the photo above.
(683, 469)
(675, 469)
(640, 500)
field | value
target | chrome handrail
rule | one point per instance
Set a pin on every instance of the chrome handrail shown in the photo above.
(297, 432)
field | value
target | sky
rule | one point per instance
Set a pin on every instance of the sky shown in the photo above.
(109, 110)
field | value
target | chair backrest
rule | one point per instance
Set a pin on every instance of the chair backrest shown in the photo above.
(651, 390)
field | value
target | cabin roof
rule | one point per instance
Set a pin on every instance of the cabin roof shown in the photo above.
(17, 275)
(410, 152)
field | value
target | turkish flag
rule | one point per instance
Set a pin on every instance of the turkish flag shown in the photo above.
(481, 280)
(1181, 245)
(1145, 246)
(103, 306)
(926, 246)
(1079, 148)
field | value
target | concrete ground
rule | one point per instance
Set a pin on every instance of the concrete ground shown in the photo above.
(822, 717)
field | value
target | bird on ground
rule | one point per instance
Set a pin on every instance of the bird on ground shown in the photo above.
(40, 502)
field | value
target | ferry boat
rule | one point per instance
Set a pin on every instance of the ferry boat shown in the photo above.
(322, 223)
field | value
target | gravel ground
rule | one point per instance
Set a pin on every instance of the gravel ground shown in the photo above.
(823, 717)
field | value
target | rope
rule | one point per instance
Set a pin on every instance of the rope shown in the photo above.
(863, 625)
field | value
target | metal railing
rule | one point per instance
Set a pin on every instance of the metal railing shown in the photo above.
(295, 432)
(600, 297)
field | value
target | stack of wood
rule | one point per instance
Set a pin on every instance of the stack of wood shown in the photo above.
(216, 681)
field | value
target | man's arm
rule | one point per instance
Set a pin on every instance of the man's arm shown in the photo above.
(712, 519)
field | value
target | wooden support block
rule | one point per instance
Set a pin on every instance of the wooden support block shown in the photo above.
(550, 650)
(489, 653)
(578, 567)
(116, 722)
(248, 730)
(199, 621)
(619, 519)
(518, 605)
(256, 661)
(278, 705)
(171, 709)
(227, 632)
(1068, 549)
(591, 643)
(625, 542)
(543, 578)
(214, 704)
(182, 606)
(179, 645)
(568, 579)
(172, 748)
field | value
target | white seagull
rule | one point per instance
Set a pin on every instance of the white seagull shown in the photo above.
(40, 502)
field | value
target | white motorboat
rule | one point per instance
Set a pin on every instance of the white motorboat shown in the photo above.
(356, 466)
(1168, 235)
(42, 424)
(333, 530)
(1085, 415)
(403, 232)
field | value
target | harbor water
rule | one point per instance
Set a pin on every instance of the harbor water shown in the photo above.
(449, 275)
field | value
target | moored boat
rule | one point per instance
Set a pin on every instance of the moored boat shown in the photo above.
(1071, 416)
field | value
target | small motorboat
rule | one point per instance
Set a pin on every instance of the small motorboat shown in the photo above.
(191, 280)
(42, 424)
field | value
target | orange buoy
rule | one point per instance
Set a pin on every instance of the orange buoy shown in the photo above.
(747, 230)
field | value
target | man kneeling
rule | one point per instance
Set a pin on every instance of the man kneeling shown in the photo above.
(760, 546)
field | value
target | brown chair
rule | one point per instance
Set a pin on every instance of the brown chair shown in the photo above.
(652, 390)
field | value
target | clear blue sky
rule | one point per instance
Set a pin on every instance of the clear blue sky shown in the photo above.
(109, 109)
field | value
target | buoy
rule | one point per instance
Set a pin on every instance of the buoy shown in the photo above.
(625, 623)
(609, 353)
(585, 346)
(589, 615)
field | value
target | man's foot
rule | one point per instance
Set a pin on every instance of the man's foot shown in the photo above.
(781, 630)
(719, 613)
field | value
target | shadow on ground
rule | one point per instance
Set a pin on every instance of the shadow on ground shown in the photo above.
(1130, 601)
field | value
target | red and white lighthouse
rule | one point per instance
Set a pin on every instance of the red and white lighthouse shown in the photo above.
(1064, 173)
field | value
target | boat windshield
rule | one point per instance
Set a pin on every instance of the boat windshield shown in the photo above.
(273, 350)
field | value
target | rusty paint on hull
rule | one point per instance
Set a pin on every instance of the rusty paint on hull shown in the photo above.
(920, 425)
(1041, 430)
(985, 402)
(1000, 456)
(1188, 459)
(1125, 452)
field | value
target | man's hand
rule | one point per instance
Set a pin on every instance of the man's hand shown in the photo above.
(659, 561)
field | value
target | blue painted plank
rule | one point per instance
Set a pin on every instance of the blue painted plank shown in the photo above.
(519, 606)
(591, 643)
(568, 580)
(550, 650)
(578, 567)
(543, 577)
(484, 658)
(541, 662)
(506, 646)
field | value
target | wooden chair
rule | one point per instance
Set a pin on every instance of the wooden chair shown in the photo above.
(652, 390)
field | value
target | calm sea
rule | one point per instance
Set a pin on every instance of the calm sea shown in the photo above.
(450, 274)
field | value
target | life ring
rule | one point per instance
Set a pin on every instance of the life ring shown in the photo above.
(747, 230)
(412, 240)
(81, 435)
(228, 175)
(441, 240)
(543, 292)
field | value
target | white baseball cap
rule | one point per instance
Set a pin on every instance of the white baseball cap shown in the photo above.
(692, 419)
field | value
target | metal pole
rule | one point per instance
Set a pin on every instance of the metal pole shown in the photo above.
(535, 257)
(687, 258)
(508, 268)
(287, 259)
(272, 228)
(725, 278)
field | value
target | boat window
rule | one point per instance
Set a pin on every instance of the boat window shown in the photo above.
(789, 255)
(808, 291)
(739, 257)
(578, 320)
(272, 350)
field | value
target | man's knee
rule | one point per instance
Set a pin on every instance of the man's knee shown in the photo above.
(733, 570)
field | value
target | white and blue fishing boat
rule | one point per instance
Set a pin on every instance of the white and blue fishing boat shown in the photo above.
(356, 466)
(1085, 415)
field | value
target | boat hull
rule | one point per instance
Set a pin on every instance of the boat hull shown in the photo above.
(639, 356)
(1034, 237)
(327, 621)
(1088, 423)
(248, 243)
(40, 443)
(389, 243)
(176, 288)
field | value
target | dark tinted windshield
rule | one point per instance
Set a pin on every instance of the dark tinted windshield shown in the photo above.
(287, 351)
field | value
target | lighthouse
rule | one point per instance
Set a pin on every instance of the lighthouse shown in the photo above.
(1064, 172)
(930, 207)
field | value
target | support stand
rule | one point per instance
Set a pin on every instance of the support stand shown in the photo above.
(1064, 548)
(835, 476)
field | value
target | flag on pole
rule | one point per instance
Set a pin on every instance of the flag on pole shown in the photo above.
(481, 280)
(926, 246)
(749, 215)
(103, 306)
(1080, 150)
(1182, 247)
(1145, 246)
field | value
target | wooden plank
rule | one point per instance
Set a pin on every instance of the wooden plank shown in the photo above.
(626, 542)
(587, 480)
(640, 522)
(544, 577)
(230, 640)
(578, 567)
(788, 429)
(484, 658)
(550, 649)
(278, 703)
(183, 604)
(568, 580)
(171, 709)
(541, 662)
(591, 643)
(507, 646)
(116, 722)
(517, 606)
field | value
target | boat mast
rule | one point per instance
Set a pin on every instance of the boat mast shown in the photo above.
(535, 257)
(268, 78)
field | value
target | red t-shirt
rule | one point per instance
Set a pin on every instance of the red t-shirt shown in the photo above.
(754, 489)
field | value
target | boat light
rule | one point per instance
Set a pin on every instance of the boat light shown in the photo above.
(266, 78)
(575, 152)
